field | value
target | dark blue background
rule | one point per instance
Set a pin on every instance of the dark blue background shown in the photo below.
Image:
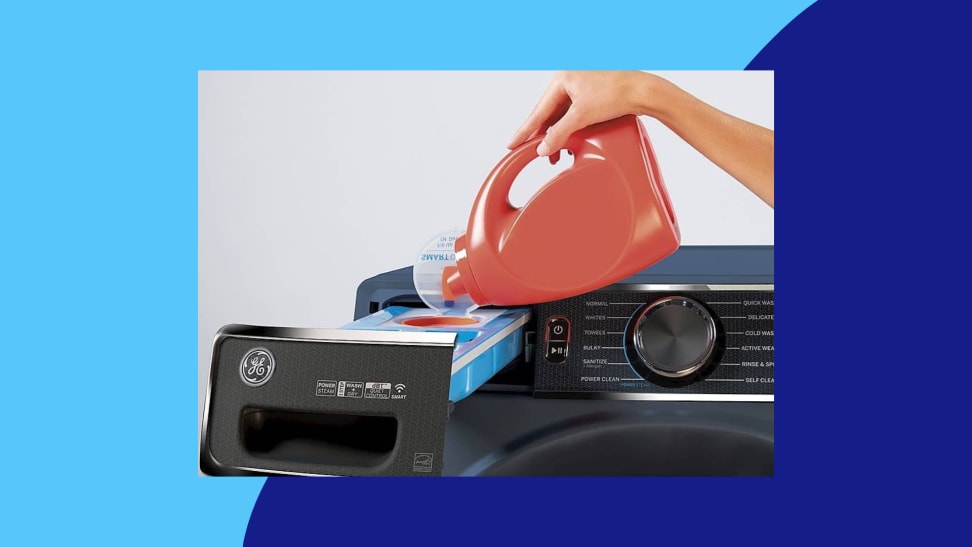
(872, 126)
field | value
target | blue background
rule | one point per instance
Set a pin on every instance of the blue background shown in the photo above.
(98, 312)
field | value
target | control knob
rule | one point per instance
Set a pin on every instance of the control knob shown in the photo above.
(672, 341)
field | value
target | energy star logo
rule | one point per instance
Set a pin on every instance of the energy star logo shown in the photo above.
(422, 462)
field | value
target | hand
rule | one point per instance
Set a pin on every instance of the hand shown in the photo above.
(575, 100)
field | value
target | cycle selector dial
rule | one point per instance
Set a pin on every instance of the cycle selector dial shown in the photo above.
(672, 341)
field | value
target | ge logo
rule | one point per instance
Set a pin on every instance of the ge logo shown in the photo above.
(257, 366)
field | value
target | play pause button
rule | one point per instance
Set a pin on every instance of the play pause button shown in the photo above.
(556, 351)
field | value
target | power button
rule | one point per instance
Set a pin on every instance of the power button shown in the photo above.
(557, 339)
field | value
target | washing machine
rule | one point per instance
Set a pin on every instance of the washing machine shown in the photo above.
(667, 373)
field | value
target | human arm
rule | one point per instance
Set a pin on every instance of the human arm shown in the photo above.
(575, 100)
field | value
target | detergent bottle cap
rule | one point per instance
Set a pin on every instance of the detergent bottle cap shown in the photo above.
(437, 262)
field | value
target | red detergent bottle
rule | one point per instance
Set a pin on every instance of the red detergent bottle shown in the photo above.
(603, 219)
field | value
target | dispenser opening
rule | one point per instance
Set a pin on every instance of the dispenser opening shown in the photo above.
(319, 438)
(440, 321)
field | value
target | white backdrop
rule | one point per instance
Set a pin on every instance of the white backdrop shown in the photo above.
(310, 182)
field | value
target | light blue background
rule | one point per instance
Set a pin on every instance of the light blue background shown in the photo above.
(98, 223)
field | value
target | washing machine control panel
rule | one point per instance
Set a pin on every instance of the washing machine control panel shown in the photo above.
(665, 342)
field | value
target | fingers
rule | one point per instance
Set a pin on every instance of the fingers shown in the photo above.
(553, 99)
(559, 132)
(552, 119)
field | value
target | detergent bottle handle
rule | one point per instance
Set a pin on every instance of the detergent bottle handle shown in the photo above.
(496, 191)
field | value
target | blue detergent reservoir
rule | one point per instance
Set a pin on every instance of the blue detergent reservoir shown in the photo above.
(486, 340)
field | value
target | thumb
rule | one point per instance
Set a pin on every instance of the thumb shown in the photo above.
(559, 132)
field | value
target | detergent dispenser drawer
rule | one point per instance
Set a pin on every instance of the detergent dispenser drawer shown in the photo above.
(327, 402)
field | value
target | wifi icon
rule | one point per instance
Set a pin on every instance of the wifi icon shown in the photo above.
(399, 388)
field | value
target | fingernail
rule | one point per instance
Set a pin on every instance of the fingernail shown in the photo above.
(543, 149)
